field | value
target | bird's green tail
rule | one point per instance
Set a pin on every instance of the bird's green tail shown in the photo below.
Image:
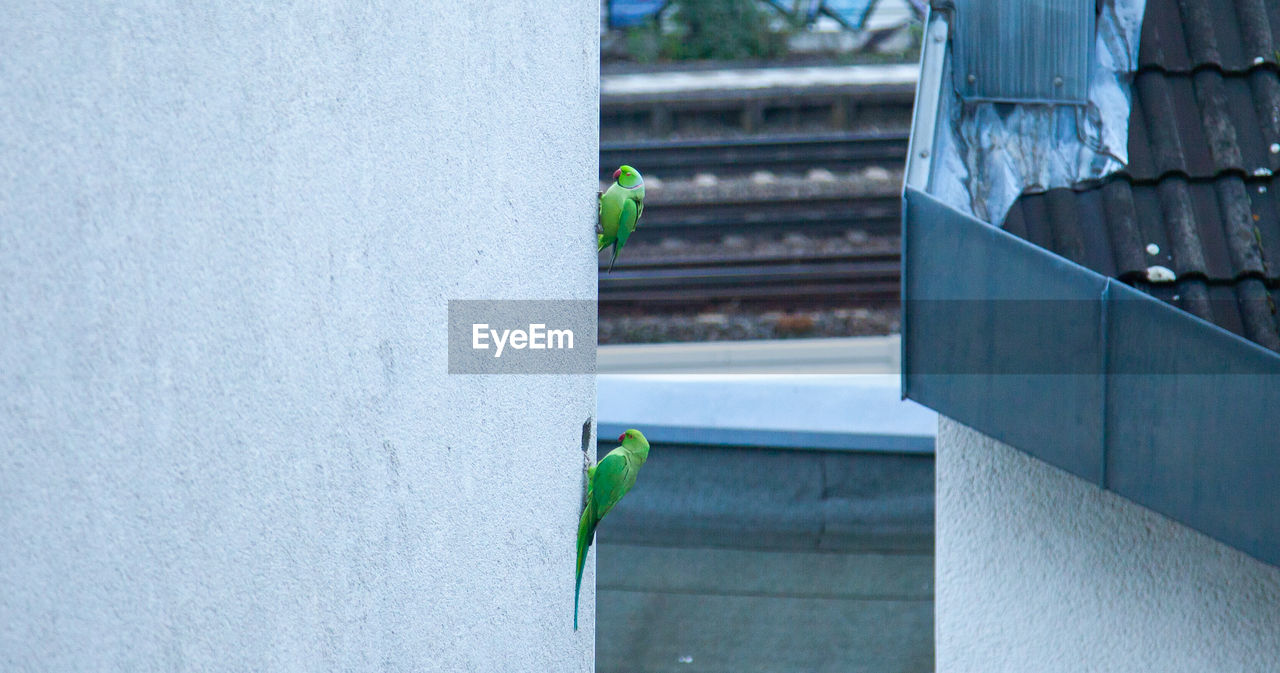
(586, 531)
(614, 258)
(619, 243)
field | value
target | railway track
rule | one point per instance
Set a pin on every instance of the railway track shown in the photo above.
(865, 278)
(846, 279)
(876, 214)
(772, 119)
(683, 158)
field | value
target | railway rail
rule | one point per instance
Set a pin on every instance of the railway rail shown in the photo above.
(847, 279)
(737, 156)
(876, 214)
(864, 278)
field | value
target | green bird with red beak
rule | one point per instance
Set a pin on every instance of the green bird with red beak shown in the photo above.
(620, 209)
(607, 481)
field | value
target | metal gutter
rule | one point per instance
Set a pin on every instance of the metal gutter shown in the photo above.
(920, 151)
(1092, 376)
(924, 118)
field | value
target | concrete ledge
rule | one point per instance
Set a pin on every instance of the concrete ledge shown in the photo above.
(775, 499)
(854, 355)
(903, 74)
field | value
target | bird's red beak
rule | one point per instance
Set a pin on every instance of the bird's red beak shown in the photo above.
(622, 437)
(617, 173)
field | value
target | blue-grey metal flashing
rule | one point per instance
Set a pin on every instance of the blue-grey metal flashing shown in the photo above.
(1023, 51)
(1090, 375)
(776, 439)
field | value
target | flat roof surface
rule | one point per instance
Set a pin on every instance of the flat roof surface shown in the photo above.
(857, 406)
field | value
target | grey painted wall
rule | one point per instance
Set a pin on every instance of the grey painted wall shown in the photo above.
(1039, 570)
(227, 438)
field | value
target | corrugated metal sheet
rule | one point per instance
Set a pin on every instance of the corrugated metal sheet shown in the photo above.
(986, 153)
(1024, 50)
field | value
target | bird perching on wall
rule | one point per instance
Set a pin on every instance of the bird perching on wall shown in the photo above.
(607, 481)
(620, 209)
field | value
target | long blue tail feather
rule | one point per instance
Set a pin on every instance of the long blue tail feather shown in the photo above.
(586, 531)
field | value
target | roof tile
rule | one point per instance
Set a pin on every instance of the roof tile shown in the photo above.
(1265, 87)
(1228, 34)
(1182, 226)
(1201, 194)
(1246, 308)
(1241, 233)
(1129, 248)
(1203, 124)
(1219, 128)
(1258, 313)
(1221, 230)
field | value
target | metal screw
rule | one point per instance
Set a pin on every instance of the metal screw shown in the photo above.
(1057, 81)
(971, 78)
(924, 154)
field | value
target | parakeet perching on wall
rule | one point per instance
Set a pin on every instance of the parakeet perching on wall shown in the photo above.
(620, 209)
(607, 481)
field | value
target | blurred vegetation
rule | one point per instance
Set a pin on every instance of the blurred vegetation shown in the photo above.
(710, 30)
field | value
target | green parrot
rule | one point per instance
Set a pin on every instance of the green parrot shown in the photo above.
(620, 209)
(607, 481)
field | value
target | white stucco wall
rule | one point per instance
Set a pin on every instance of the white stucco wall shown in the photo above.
(227, 436)
(1038, 570)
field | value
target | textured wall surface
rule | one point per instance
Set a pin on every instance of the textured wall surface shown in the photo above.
(1040, 571)
(227, 438)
